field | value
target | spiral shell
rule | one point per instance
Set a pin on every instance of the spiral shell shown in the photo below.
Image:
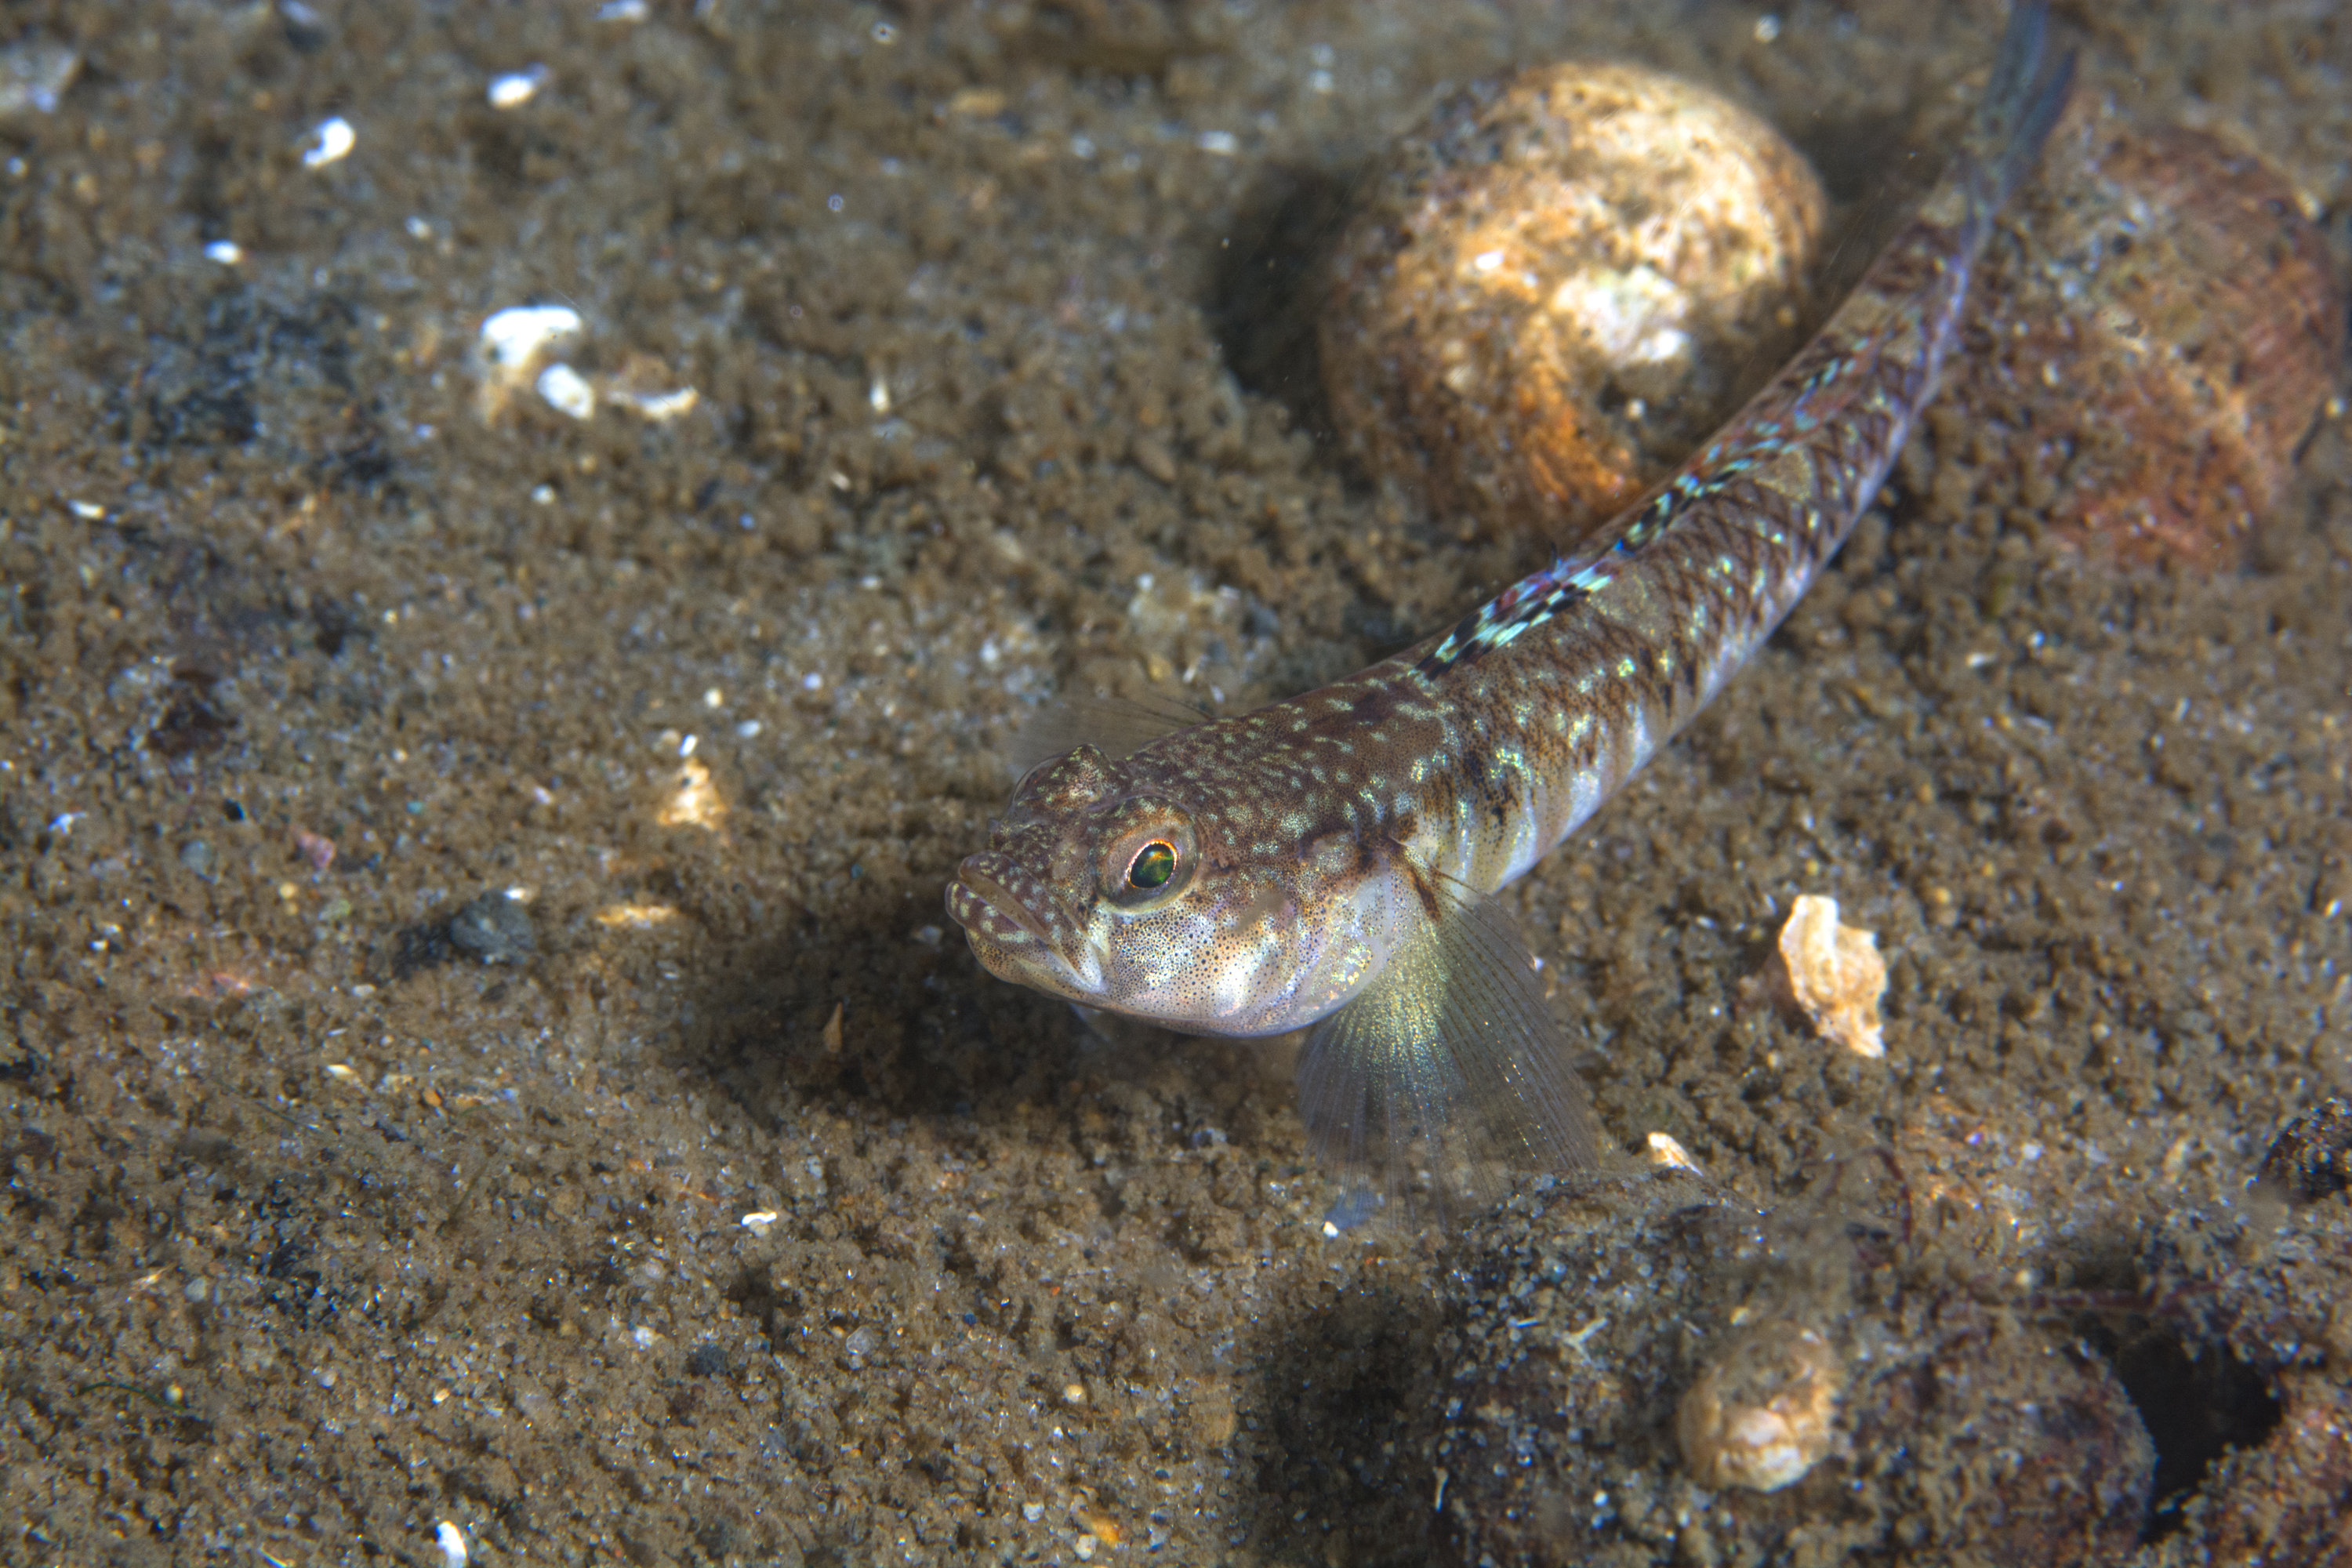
(2166, 327)
(1560, 286)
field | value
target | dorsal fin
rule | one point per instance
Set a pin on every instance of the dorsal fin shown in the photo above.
(1116, 726)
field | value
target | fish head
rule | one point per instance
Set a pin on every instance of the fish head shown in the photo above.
(1105, 885)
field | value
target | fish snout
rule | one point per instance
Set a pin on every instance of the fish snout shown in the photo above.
(993, 898)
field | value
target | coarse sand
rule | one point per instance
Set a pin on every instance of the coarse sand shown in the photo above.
(482, 1043)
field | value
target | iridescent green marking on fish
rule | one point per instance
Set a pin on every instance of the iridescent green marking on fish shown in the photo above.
(1330, 862)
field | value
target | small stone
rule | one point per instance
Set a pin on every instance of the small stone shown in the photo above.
(1153, 456)
(32, 76)
(197, 856)
(494, 928)
(2311, 1158)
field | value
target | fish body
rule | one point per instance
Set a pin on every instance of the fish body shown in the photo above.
(1330, 862)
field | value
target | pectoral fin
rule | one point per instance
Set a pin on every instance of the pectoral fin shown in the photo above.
(1448, 1064)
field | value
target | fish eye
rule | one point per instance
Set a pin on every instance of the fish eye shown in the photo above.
(1152, 866)
(1149, 856)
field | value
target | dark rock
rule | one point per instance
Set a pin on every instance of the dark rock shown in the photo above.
(494, 928)
(2311, 1158)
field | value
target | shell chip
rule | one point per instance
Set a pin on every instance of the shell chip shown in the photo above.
(1763, 1412)
(1835, 975)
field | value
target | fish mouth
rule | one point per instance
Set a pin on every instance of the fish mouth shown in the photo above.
(1019, 929)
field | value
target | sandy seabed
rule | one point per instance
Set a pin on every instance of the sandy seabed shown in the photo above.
(482, 1043)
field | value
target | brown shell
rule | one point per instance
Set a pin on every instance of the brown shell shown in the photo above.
(2167, 326)
(1560, 286)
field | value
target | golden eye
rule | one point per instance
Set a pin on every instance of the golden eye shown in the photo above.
(1149, 854)
(1152, 866)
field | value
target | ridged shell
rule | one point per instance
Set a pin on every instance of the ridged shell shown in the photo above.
(2165, 326)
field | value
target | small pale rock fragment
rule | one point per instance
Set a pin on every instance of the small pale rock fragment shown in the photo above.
(512, 346)
(516, 88)
(1835, 975)
(32, 76)
(646, 387)
(1667, 1151)
(1154, 458)
(1763, 1411)
(656, 407)
(696, 803)
(316, 848)
(331, 143)
(566, 391)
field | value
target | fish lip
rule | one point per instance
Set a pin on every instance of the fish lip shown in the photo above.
(997, 905)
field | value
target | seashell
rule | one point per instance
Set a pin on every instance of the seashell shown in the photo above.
(2167, 326)
(1763, 1411)
(1834, 973)
(1560, 286)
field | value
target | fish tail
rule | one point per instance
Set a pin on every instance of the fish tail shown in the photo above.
(2021, 102)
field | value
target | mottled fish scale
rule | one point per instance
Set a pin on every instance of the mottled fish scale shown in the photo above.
(1330, 861)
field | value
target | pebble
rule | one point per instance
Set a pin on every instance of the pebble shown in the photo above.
(1560, 286)
(34, 75)
(511, 344)
(494, 928)
(516, 88)
(1153, 459)
(331, 143)
(2311, 1158)
(567, 392)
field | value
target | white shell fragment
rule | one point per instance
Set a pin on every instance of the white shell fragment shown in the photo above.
(331, 143)
(516, 88)
(511, 344)
(452, 1543)
(657, 406)
(1666, 1152)
(567, 391)
(228, 252)
(1764, 1410)
(514, 338)
(1835, 975)
(32, 75)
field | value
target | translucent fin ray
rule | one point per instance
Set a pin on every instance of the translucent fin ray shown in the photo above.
(1447, 1074)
